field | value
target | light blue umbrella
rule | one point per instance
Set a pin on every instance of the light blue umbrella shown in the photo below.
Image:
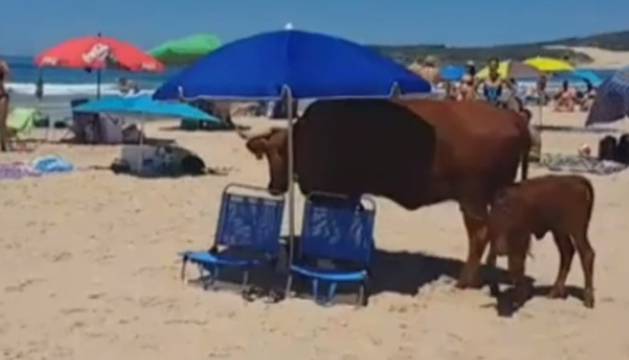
(583, 75)
(612, 99)
(452, 73)
(145, 106)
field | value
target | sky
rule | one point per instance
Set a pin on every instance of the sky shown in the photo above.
(28, 27)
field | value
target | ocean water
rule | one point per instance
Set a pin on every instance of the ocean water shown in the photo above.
(63, 85)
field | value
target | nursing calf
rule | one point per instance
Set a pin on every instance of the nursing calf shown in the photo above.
(561, 205)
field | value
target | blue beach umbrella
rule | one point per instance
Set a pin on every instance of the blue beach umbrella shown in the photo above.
(291, 64)
(300, 64)
(612, 99)
(144, 106)
(452, 73)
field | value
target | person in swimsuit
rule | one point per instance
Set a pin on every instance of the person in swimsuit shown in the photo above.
(493, 85)
(588, 97)
(565, 99)
(467, 90)
(4, 104)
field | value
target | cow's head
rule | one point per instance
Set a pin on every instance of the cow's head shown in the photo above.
(507, 222)
(272, 144)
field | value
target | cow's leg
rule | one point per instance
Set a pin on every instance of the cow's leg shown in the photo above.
(586, 253)
(566, 253)
(475, 218)
(516, 271)
(494, 289)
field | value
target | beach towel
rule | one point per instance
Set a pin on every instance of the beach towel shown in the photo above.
(580, 164)
(52, 164)
(16, 171)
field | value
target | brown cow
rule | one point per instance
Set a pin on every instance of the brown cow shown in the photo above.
(416, 153)
(560, 204)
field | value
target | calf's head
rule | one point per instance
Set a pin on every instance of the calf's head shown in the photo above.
(273, 145)
(507, 226)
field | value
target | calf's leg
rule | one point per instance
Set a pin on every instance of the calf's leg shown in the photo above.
(566, 254)
(476, 225)
(586, 253)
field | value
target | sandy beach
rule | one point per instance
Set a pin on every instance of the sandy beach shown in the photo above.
(90, 270)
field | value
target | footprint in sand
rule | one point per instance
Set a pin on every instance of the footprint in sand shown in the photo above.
(70, 311)
(23, 285)
(61, 257)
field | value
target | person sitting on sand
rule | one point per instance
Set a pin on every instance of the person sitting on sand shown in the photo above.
(588, 97)
(4, 105)
(565, 99)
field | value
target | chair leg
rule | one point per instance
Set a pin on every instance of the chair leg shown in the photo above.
(215, 277)
(361, 295)
(331, 293)
(315, 290)
(289, 285)
(182, 274)
(245, 280)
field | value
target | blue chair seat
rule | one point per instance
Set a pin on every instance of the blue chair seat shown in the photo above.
(334, 275)
(204, 258)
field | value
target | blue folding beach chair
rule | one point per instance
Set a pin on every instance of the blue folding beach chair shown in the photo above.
(247, 235)
(339, 231)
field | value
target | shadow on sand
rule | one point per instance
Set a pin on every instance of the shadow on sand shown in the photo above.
(505, 308)
(400, 272)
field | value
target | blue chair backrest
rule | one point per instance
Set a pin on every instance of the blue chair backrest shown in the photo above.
(252, 222)
(338, 229)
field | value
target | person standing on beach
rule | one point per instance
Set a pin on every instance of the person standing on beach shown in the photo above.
(428, 70)
(4, 104)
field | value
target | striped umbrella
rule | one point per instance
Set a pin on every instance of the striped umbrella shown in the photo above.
(612, 99)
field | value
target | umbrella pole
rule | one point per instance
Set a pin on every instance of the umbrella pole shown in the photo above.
(291, 185)
(98, 80)
(141, 145)
(540, 109)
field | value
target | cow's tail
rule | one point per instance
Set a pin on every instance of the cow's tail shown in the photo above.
(524, 161)
(589, 197)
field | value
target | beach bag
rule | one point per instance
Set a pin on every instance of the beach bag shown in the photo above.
(607, 148)
(622, 149)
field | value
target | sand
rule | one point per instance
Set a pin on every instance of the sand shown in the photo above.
(601, 58)
(89, 270)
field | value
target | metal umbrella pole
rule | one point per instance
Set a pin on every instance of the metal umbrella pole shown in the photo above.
(98, 80)
(291, 184)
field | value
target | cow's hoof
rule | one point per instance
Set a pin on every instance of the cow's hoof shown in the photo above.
(469, 282)
(558, 292)
(588, 300)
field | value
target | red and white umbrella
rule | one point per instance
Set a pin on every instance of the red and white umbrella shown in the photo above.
(98, 53)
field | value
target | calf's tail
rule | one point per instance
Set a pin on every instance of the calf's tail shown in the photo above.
(589, 197)
(524, 159)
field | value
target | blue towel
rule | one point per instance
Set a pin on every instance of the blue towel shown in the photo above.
(52, 164)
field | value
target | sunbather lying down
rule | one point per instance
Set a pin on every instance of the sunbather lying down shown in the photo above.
(193, 166)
